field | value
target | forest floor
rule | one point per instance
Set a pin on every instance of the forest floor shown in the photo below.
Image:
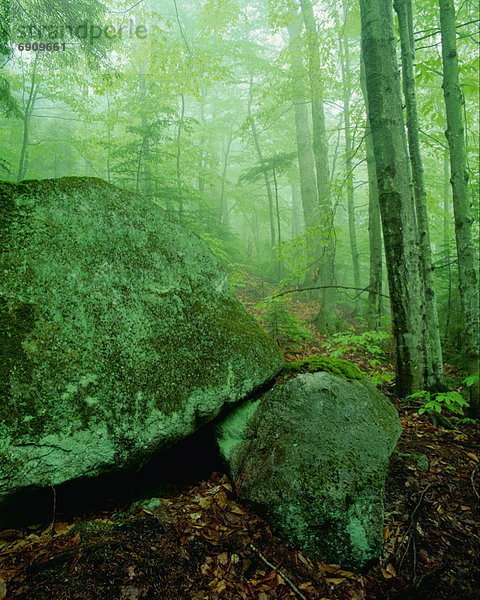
(201, 543)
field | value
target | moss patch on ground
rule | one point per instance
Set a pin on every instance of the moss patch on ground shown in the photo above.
(88, 530)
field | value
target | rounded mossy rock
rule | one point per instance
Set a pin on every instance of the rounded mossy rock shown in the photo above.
(311, 455)
(118, 332)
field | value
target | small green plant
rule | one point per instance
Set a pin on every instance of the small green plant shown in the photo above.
(467, 421)
(379, 378)
(435, 403)
(282, 325)
(239, 276)
(368, 342)
(471, 380)
(217, 246)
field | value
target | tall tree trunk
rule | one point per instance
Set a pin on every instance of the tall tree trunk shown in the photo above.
(277, 206)
(109, 141)
(435, 371)
(320, 151)
(261, 160)
(179, 155)
(296, 223)
(55, 151)
(279, 224)
(306, 162)
(27, 115)
(374, 305)
(145, 161)
(447, 217)
(201, 158)
(223, 209)
(347, 92)
(468, 284)
(395, 195)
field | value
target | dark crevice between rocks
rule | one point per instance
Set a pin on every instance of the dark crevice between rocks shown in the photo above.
(190, 460)
(166, 472)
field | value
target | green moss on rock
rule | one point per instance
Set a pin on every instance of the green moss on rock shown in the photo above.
(311, 455)
(328, 364)
(419, 460)
(119, 333)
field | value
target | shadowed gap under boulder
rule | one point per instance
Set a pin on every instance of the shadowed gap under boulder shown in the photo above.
(190, 460)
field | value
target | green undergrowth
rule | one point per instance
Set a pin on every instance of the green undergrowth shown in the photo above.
(314, 364)
(91, 529)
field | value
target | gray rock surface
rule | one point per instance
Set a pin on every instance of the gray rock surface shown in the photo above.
(311, 455)
(119, 335)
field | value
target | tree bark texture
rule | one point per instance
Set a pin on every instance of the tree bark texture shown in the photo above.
(467, 273)
(403, 9)
(320, 151)
(374, 303)
(395, 195)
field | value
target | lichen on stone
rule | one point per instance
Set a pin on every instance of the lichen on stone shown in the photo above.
(311, 455)
(118, 332)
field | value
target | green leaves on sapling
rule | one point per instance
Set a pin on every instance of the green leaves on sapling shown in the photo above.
(435, 403)
(283, 326)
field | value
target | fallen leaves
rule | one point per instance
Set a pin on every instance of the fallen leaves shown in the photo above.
(3, 589)
(389, 571)
(130, 592)
(204, 545)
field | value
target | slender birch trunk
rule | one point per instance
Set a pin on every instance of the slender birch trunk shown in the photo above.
(201, 158)
(179, 155)
(320, 151)
(447, 219)
(306, 161)
(467, 273)
(296, 223)
(256, 141)
(223, 208)
(347, 93)
(395, 194)
(144, 160)
(27, 115)
(374, 305)
(403, 9)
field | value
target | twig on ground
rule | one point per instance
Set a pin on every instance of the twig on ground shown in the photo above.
(410, 526)
(54, 510)
(472, 479)
(287, 580)
(326, 287)
(414, 560)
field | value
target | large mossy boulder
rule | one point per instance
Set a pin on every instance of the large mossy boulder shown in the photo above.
(311, 455)
(118, 332)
